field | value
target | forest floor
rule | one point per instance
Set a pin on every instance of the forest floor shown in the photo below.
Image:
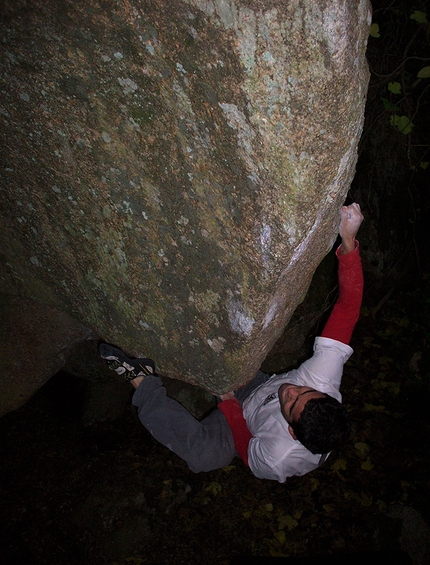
(108, 494)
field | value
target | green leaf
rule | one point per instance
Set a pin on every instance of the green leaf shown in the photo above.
(381, 505)
(366, 499)
(214, 488)
(419, 17)
(362, 448)
(314, 484)
(424, 73)
(424, 164)
(367, 465)
(395, 87)
(339, 465)
(329, 508)
(287, 521)
(393, 388)
(385, 360)
(402, 123)
(229, 468)
(374, 408)
(402, 322)
(374, 30)
(389, 106)
(280, 537)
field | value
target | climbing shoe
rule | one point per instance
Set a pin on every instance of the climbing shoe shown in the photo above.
(127, 368)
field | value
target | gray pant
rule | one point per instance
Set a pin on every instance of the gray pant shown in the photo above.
(205, 445)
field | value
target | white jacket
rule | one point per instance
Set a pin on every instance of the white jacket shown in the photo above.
(272, 451)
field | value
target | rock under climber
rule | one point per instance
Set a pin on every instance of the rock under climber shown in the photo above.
(280, 425)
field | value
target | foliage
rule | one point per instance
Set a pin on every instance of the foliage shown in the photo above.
(402, 70)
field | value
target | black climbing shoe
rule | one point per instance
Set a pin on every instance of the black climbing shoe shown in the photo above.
(128, 368)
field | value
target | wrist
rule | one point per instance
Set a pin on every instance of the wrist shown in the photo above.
(348, 245)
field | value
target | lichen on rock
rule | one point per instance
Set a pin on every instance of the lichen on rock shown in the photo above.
(173, 171)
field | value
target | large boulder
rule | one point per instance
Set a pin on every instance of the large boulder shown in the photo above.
(173, 171)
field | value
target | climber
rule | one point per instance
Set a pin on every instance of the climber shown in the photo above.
(280, 425)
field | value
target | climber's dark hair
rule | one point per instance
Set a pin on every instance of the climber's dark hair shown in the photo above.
(323, 425)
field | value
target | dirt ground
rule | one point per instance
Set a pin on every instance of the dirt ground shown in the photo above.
(107, 493)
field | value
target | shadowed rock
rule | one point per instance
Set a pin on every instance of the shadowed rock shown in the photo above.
(35, 344)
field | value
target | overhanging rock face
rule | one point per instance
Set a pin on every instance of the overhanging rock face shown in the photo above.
(173, 171)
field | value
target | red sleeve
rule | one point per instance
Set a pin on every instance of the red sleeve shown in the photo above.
(346, 311)
(232, 410)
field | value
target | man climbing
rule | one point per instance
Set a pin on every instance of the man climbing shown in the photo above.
(281, 425)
